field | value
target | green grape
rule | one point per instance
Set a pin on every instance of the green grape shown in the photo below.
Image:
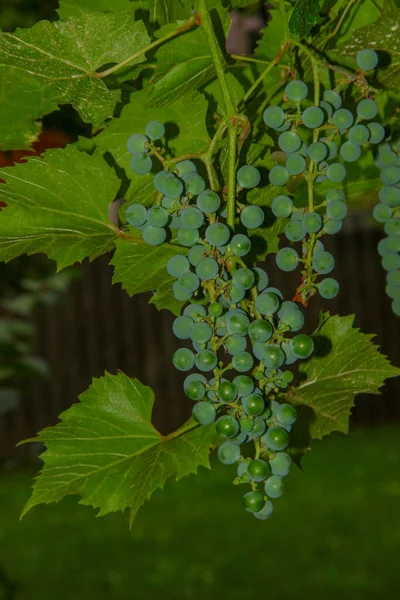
(227, 392)
(154, 236)
(377, 132)
(136, 215)
(289, 354)
(157, 216)
(343, 119)
(273, 356)
(393, 291)
(227, 426)
(169, 203)
(284, 127)
(392, 227)
(393, 278)
(390, 175)
(327, 108)
(184, 167)
(183, 359)
(312, 222)
(295, 164)
(262, 279)
(172, 186)
(282, 206)
(243, 278)
(242, 469)
(265, 512)
(287, 259)
(155, 130)
(188, 237)
(277, 438)
(141, 163)
(359, 134)
(286, 414)
(280, 464)
(248, 177)
(313, 117)
(295, 231)
(217, 234)
(367, 59)
(386, 159)
(179, 293)
(244, 385)
(252, 217)
(333, 98)
(242, 362)
(237, 322)
(393, 244)
(201, 332)
(260, 330)
(336, 172)
(235, 344)
(208, 201)
(274, 486)
(253, 404)
(296, 90)
(350, 152)
(317, 151)
(335, 194)
(332, 227)
(253, 502)
(196, 378)
(291, 316)
(336, 210)
(195, 311)
(278, 175)
(328, 288)
(204, 413)
(215, 309)
(182, 327)
(246, 423)
(207, 269)
(259, 427)
(240, 245)
(195, 184)
(267, 303)
(196, 254)
(332, 147)
(273, 116)
(206, 360)
(302, 345)
(228, 453)
(323, 262)
(367, 109)
(258, 469)
(289, 141)
(137, 143)
(236, 295)
(192, 218)
(161, 178)
(391, 261)
(382, 212)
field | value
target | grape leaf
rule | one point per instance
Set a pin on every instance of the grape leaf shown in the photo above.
(185, 123)
(142, 268)
(55, 63)
(270, 43)
(75, 8)
(304, 16)
(360, 15)
(106, 449)
(345, 363)
(58, 205)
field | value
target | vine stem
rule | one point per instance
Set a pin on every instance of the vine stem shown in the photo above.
(232, 176)
(285, 23)
(185, 27)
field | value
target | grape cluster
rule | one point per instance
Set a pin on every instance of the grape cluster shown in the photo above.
(387, 212)
(318, 159)
(243, 336)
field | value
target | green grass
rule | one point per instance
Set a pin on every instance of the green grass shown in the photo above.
(335, 534)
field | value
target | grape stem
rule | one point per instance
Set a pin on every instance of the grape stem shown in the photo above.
(178, 31)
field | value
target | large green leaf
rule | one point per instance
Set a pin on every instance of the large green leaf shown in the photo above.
(360, 15)
(106, 450)
(55, 63)
(304, 16)
(270, 43)
(345, 363)
(58, 205)
(186, 131)
(142, 268)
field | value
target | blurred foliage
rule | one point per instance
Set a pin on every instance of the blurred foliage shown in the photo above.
(25, 13)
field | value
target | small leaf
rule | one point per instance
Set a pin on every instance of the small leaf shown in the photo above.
(345, 363)
(304, 16)
(55, 63)
(58, 205)
(107, 451)
(142, 268)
